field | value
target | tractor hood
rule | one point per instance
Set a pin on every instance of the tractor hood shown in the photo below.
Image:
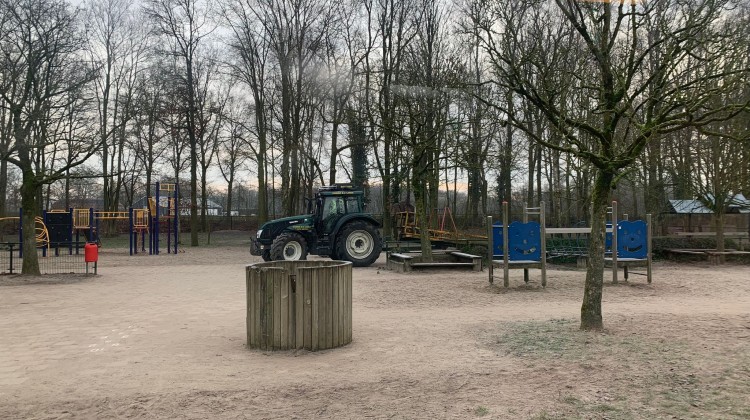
(272, 228)
(288, 220)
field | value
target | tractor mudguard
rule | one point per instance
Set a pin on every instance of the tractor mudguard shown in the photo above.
(352, 217)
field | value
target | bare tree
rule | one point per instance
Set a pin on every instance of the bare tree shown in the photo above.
(250, 48)
(184, 24)
(109, 29)
(296, 31)
(390, 28)
(149, 131)
(231, 153)
(40, 65)
(209, 112)
(598, 50)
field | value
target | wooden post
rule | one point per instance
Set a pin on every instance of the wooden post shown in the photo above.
(648, 248)
(490, 249)
(543, 234)
(506, 280)
(614, 241)
(525, 220)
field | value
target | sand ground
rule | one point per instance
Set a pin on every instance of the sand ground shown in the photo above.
(164, 337)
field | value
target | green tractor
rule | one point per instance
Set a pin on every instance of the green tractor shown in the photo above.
(336, 227)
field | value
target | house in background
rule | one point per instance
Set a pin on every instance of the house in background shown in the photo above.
(212, 208)
(694, 216)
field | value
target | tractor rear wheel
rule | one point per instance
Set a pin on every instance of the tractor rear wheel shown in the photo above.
(289, 246)
(359, 242)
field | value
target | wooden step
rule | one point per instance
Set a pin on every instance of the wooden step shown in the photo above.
(441, 264)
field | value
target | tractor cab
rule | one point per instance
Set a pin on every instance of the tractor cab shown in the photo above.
(332, 206)
(335, 225)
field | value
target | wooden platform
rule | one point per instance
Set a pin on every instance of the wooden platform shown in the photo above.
(517, 264)
(404, 263)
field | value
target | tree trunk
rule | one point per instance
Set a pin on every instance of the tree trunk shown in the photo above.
(591, 310)
(191, 126)
(230, 191)
(334, 147)
(3, 185)
(421, 207)
(719, 228)
(29, 205)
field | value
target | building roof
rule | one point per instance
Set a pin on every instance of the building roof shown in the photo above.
(741, 203)
(689, 207)
(736, 204)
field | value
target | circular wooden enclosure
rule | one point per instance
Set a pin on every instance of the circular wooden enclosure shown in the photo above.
(299, 304)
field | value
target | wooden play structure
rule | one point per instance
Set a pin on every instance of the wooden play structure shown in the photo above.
(41, 233)
(445, 235)
(143, 223)
(630, 245)
(446, 232)
(523, 244)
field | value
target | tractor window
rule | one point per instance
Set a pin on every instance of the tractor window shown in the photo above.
(352, 205)
(333, 209)
(333, 206)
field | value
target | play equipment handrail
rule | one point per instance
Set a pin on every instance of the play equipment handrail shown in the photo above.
(81, 218)
(112, 215)
(140, 218)
(552, 231)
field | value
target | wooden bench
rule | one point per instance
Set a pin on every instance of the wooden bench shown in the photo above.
(474, 260)
(402, 263)
(441, 265)
(714, 257)
(740, 237)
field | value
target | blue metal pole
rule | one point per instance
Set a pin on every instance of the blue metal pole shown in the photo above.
(152, 235)
(130, 231)
(169, 231)
(156, 219)
(176, 220)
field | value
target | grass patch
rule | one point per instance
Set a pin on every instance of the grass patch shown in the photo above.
(637, 372)
(481, 411)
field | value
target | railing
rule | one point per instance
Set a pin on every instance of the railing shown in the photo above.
(63, 259)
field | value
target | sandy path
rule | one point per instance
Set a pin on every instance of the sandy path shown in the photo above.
(164, 337)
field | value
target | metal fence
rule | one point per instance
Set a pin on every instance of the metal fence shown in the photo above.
(60, 260)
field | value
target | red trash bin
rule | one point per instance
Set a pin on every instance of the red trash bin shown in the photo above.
(91, 254)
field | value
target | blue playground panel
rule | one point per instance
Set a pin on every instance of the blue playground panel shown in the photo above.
(632, 239)
(525, 244)
(524, 241)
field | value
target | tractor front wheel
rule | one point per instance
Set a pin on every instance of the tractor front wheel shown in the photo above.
(359, 242)
(289, 246)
